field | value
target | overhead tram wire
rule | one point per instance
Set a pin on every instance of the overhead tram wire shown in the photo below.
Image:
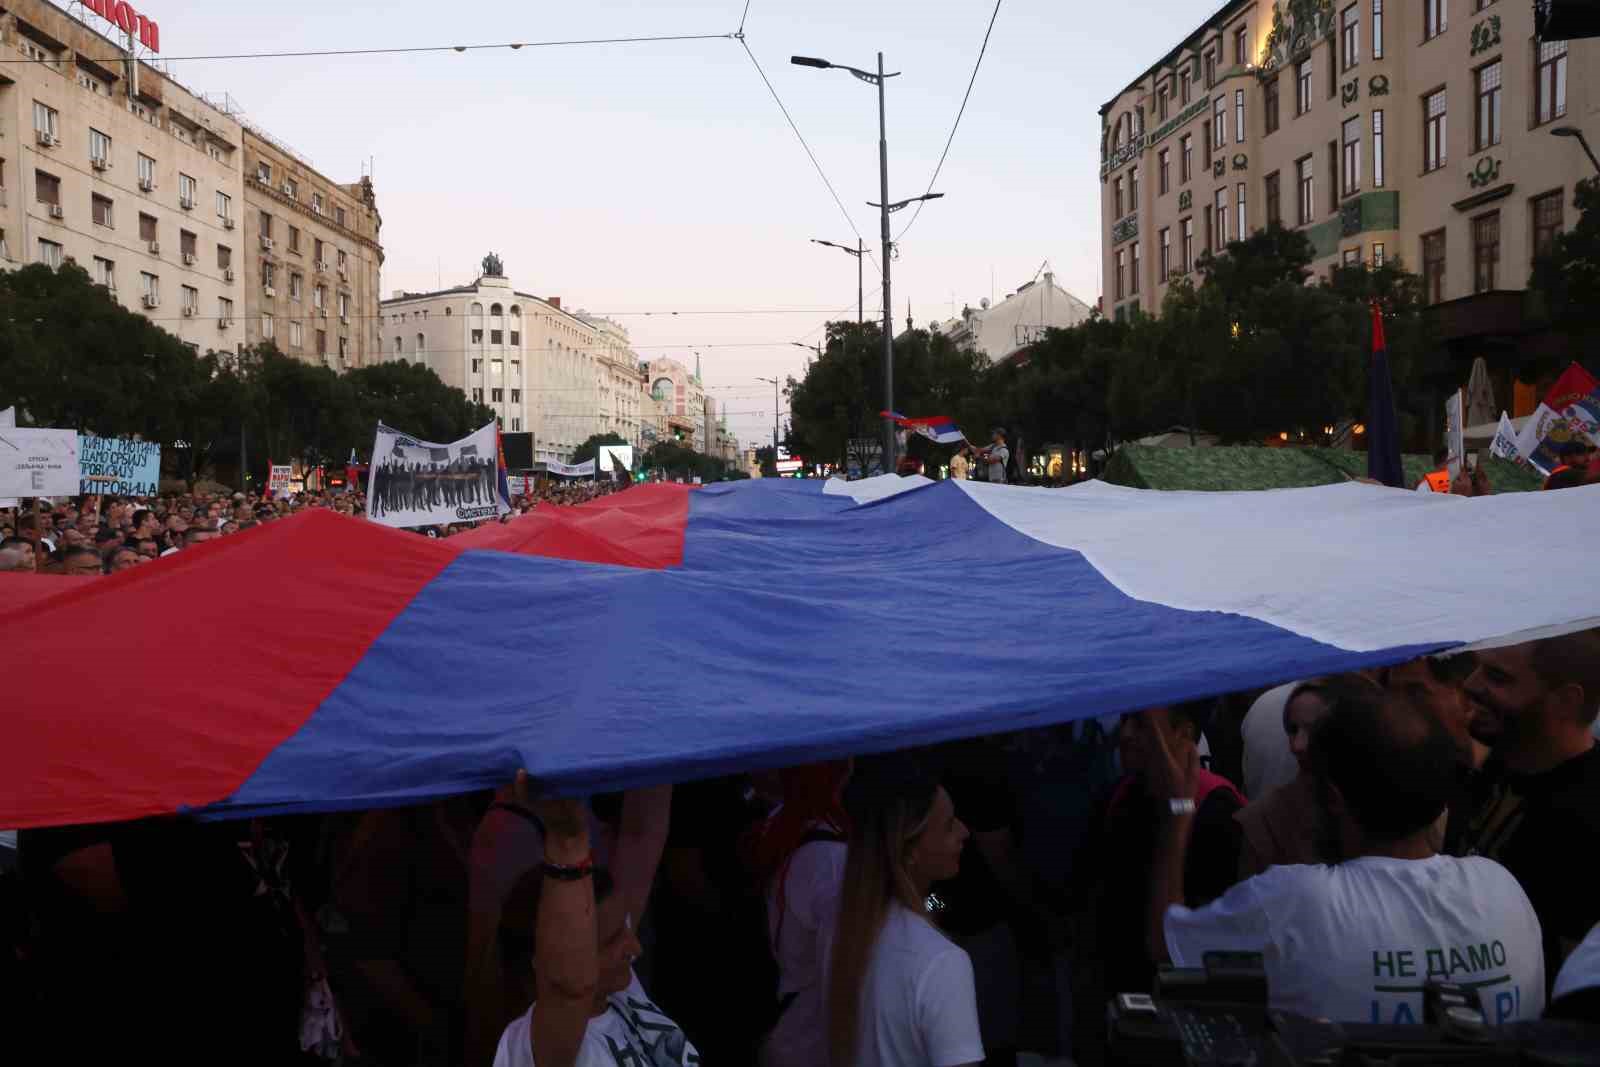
(421, 49)
(957, 124)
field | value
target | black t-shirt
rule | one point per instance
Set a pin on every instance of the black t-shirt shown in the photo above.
(974, 773)
(1537, 826)
(1125, 855)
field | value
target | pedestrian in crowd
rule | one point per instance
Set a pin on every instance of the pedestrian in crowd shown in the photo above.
(577, 928)
(1354, 941)
(1536, 803)
(799, 857)
(899, 991)
(1270, 730)
(1282, 825)
(121, 559)
(80, 561)
(995, 456)
(16, 556)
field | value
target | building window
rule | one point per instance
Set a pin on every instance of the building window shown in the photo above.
(1133, 270)
(49, 253)
(1433, 131)
(516, 396)
(1185, 86)
(1187, 248)
(1165, 258)
(291, 188)
(147, 228)
(1269, 102)
(297, 334)
(1377, 149)
(269, 275)
(264, 172)
(1116, 198)
(1350, 37)
(1550, 81)
(224, 206)
(1547, 211)
(296, 287)
(477, 394)
(1238, 116)
(1333, 176)
(1221, 203)
(150, 287)
(268, 326)
(316, 203)
(477, 337)
(45, 120)
(186, 190)
(1219, 122)
(147, 172)
(1485, 251)
(105, 273)
(1185, 158)
(1377, 29)
(1377, 255)
(1350, 160)
(1241, 47)
(1435, 18)
(1433, 266)
(1163, 99)
(1164, 170)
(224, 257)
(322, 342)
(190, 296)
(1210, 68)
(1304, 183)
(318, 251)
(99, 147)
(338, 215)
(1122, 273)
(47, 188)
(497, 396)
(1240, 222)
(1350, 258)
(224, 309)
(1486, 129)
(100, 210)
(319, 297)
(344, 307)
(497, 337)
(1302, 86)
(1133, 188)
(187, 245)
(294, 239)
(516, 339)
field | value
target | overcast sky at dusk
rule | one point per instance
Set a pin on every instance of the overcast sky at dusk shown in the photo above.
(660, 177)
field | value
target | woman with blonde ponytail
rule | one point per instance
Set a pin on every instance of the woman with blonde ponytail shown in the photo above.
(900, 994)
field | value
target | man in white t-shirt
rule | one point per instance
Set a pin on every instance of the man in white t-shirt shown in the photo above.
(1355, 942)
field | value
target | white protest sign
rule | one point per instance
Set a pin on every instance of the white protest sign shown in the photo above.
(571, 470)
(39, 462)
(8, 419)
(1505, 440)
(420, 483)
(1455, 433)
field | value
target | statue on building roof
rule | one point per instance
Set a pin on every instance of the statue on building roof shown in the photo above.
(493, 266)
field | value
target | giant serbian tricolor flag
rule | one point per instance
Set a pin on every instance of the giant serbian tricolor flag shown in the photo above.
(371, 667)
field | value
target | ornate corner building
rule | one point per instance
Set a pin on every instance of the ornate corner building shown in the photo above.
(1409, 130)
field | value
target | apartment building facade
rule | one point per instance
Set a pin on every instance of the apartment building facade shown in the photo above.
(678, 403)
(108, 164)
(1417, 130)
(311, 259)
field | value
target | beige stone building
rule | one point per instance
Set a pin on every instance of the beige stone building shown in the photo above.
(311, 259)
(679, 404)
(107, 163)
(620, 381)
(1417, 130)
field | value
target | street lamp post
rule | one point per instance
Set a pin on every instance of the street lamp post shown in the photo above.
(860, 252)
(885, 209)
(1573, 131)
(776, 404)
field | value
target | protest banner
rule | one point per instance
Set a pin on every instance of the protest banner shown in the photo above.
(278, 475)
(8, 419)
(421, 483)
(1505, 440)
(118, 466)
(38, 462)
(570, 470)
(616, 457)
(1455, 425)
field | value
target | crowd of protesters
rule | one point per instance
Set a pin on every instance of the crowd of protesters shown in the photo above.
(103, 535)
(960, 904)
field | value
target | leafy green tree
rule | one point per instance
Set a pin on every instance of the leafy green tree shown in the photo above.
(590, 448)
(1566, 282)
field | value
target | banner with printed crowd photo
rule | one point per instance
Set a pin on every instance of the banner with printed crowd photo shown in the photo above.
(118, 466)
(37, 462)
(421, 483)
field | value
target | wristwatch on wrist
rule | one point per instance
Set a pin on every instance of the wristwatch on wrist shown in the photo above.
(1182, 805)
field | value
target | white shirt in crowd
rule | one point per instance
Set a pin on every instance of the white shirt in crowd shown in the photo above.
(810, 901)
(1355, 942)
(633, 1032)
(1582, 969)
(919, 1006)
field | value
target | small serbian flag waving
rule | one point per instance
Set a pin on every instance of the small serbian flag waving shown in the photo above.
(937, 428)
